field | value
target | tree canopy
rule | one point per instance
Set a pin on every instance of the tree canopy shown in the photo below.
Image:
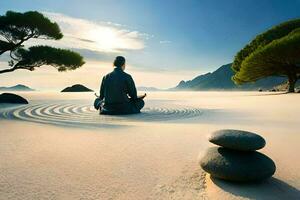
(263, 39)
(16, 28)
(275, 52)
(36, 56)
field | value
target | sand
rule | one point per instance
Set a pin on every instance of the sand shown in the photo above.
(58, 147)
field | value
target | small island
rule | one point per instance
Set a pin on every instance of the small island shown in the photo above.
(77, 88)
(18, 87)
(148, 89)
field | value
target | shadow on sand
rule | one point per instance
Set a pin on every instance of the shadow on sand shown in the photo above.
(274, 93)
(272, 188)
(271, 94)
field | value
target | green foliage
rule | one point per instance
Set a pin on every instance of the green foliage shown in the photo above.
(275, 52)
(263, 39)
(5, 45)
(278, 58)
(15, 26)
(37, 56)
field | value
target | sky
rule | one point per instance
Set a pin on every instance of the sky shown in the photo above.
(164, 41)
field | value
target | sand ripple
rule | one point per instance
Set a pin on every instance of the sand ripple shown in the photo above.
(80, 114)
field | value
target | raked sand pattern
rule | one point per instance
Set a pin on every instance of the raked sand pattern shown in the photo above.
(70, 151)
(80, 113)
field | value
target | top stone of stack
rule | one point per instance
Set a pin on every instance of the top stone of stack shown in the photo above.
(237, 140)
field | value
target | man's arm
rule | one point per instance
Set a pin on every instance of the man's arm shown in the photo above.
(131, 88)
(102, 89)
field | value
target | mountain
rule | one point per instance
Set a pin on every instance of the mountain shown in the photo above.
(221, 80)
(149, 89)
(18, 87)
(77, 88)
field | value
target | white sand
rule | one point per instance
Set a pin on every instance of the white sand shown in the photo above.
(152, 156)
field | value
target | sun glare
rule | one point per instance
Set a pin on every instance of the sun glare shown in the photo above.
(97, 36)
(104, 38)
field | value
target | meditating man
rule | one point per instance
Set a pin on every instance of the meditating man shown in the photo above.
(118, 92)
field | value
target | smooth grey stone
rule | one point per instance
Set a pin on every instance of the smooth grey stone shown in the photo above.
(237, 140)
(231, 165)
(12, 98)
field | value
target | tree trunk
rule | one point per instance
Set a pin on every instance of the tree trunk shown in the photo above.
(292, 83)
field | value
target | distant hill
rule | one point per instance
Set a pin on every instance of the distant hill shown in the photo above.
(18, 87)
(77, 88)
(150, 89)
(221, 80)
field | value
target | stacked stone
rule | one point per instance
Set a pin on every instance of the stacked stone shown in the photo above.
(237, 159)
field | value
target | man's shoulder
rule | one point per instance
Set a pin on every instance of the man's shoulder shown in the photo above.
(108, 74)
(126, 74)
(118, 73)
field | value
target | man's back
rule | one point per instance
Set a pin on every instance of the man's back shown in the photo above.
(118, 92)
(116, 86)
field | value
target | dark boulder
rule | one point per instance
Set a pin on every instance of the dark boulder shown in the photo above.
(237, 140)
(12, 98)
(236, 165)
(77, 88)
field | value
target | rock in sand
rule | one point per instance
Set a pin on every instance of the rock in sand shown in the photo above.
(12, 98)
(237, 140)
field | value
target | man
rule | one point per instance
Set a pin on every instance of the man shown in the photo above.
(118, 92)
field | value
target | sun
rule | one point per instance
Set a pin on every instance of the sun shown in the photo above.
(106, 39)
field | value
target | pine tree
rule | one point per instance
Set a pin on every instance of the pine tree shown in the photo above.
(17, 28)
(275, 52)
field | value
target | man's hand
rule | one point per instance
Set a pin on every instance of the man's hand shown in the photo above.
(142, 96)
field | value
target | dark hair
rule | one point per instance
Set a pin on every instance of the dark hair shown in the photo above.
(119, 61)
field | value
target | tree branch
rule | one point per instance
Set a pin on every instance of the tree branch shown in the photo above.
(4, 35)
(16, 66)
(16, 45)
(2, 52)
(12, 57)
(7, 70)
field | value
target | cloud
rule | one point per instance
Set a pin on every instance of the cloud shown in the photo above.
(96, 55)
(94, 36)
(165, 42)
